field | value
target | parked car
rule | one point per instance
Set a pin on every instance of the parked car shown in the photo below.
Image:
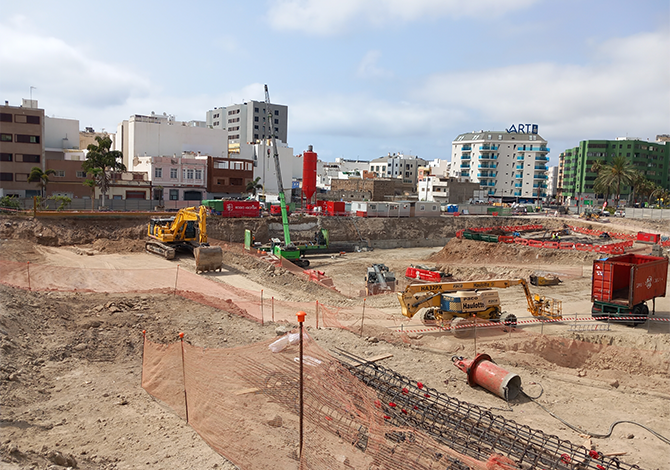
(619, 213)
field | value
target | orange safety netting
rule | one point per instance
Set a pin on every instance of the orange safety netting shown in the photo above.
(244, 402)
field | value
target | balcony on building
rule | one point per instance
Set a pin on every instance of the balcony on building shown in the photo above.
(542, 158)
(488, 156)
(518, 185)
(488, 147)
(519, 167)
(491, 183)
(540, 177)
(518, 175)
(465, 165)
(486, 165)
(517, 193)
(492, 192)
(541, 167)
(465, 156)
(465, 173)
(466, 147)
(519, 157)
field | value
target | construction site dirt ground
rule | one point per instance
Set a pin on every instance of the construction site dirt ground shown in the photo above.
(70, 377)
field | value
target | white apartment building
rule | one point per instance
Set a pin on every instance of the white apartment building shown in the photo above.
(339, 169)
(262, 154)
(509, 165)
(400, 166)
(552, 182)
(162, 135)
(248, 122)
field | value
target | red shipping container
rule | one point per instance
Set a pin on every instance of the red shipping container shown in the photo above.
(335, 208)
(648, 237)
(629, 279)
(241, 209)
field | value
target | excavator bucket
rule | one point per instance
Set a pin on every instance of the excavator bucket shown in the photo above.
(208, 258)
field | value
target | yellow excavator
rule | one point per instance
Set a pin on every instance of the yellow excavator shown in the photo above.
(457, 302)
(187, 230)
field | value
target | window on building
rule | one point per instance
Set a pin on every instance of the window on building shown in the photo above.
(276, 113)
(59, 173)
(173, 173)
(5, 117)
(236, 181)
(256, 120)
(276, 121)
(174, 195)
(135, 194)
(6, 176)
(221, 181)
(192, 195)
(31, 158)
(6, 157)
(81, 174)
(198, 174)
(256, 136)
(255, 110)
(158, 172)
(33, 119)
(138, 176)
(21, 177)
(28, 139)
(188, 174)
(6, 137)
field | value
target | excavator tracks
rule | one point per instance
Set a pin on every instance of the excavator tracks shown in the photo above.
(161, 249)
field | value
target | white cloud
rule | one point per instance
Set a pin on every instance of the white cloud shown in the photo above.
(369, 68)
(61, 71)
(325, 17)
(625, 88)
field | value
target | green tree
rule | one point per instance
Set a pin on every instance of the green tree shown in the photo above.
(100, 157)
(92, 184)
(41, 178)
(254, 185)
(641, 186)
(615, 175)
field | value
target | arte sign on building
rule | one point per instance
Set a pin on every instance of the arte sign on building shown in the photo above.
(523, 129)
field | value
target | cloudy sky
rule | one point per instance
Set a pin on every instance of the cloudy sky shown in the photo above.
(361, 78)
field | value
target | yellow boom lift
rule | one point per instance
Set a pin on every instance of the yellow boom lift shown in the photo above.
(187, 230)
(456, 301)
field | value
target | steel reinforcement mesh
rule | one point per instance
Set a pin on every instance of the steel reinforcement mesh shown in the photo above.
(471, 430)
(244, 402)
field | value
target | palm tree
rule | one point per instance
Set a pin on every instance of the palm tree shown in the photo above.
(598, 186)
(619, 172)
(254, 185)
(100, 157)
(40, 177)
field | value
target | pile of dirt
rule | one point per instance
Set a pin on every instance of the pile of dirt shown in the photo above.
(471, 251)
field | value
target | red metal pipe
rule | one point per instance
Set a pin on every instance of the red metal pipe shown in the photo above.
(484, 372)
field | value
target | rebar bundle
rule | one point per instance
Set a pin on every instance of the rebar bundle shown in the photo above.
(469, 429)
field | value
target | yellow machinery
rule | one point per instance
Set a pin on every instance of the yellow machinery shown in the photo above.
(457, 301)
(187, 231)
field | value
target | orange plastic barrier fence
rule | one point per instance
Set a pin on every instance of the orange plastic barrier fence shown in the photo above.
(505, 239)
(566, 246)
(553, 245)
(244, 402)
(535, 243)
